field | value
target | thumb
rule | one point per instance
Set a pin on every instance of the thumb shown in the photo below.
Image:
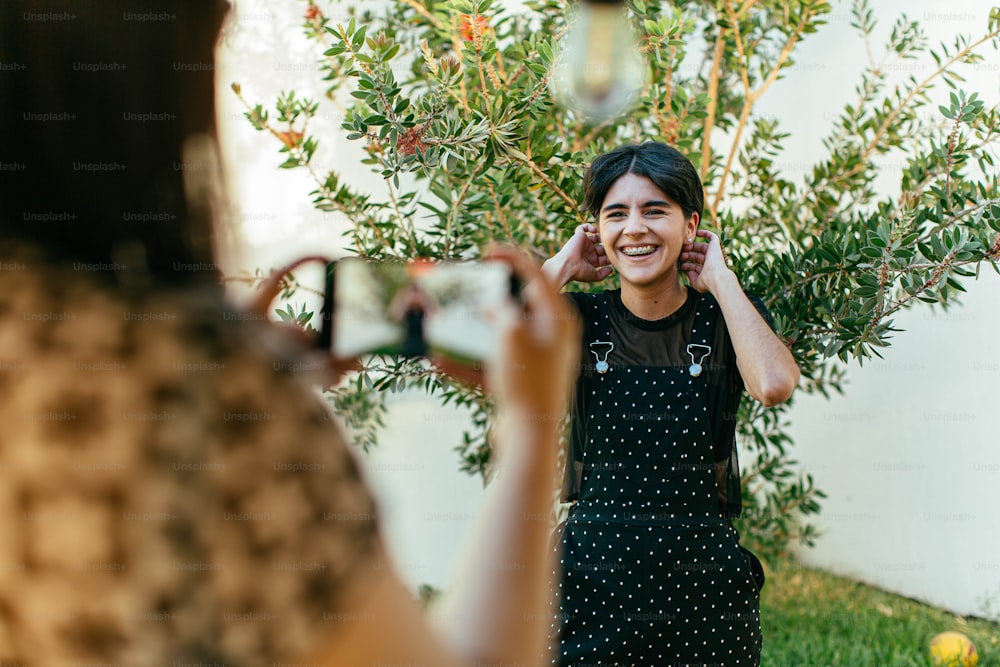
(271, 287)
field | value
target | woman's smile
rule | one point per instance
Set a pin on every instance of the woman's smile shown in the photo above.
(637, 251)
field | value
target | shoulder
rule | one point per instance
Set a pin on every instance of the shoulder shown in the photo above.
(708, 303)
(185, 418)
(581, 301)
(589, 306)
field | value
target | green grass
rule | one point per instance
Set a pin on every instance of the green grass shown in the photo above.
(815, 619)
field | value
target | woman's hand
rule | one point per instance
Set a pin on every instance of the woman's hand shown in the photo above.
(705, 263)
(303, 345)
(494, 613)
(537, 361)
(582, 259)
(768, 369)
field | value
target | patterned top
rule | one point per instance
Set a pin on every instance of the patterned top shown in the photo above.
(170, 493)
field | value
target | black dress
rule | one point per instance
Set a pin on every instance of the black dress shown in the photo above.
(651, 570)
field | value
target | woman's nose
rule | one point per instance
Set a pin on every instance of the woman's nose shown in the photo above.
(634, 224)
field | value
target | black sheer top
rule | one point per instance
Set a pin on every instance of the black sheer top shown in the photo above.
(662, 343)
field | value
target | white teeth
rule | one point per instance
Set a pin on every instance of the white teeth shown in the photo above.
(639, 250)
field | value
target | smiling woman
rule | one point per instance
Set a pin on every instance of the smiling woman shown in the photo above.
(651, 567)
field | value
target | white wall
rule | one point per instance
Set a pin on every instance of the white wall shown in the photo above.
(909, 457)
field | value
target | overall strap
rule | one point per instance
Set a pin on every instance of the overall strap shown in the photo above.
(699, 350)
(598, 343)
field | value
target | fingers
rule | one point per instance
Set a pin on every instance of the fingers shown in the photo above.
(591, 232)
(272, 285)
(528, 272)
(694, 253)
(470, 375)
(337, 368)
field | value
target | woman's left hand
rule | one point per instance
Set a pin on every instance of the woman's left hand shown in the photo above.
(704, 263)
(293, 338)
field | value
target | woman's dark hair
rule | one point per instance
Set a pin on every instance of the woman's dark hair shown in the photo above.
(665, 166)
(97, 101)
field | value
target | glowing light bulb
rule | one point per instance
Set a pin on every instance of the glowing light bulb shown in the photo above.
(599, 71)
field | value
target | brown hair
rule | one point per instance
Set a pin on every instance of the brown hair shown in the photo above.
(96, 102)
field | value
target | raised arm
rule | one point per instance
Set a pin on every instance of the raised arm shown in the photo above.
(768, 368)
(582, 259)
(496, 609)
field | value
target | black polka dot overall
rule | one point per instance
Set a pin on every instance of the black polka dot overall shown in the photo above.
(651, 574)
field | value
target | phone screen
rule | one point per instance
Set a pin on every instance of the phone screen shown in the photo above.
(415, 308)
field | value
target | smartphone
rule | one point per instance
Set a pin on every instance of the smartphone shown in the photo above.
(415, 308)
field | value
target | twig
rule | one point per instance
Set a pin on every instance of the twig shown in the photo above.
(952, 139)
(408, 223)
(455, 207)
(500, 214)
(582, 143)
(420, 9)
(713, 103)
(752, 98)
(891, 118)
(536, 170)
(744, 75)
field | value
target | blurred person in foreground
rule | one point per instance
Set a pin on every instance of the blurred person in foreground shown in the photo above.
(154, 508)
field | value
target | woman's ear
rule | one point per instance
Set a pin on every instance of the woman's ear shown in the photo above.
(692, 225)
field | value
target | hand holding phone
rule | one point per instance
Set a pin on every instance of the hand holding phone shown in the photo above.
(298, 342)
(533, 374)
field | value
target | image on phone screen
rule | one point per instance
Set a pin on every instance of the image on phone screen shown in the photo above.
(416, 308)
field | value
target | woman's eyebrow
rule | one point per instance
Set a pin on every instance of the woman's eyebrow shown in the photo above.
(653, 202)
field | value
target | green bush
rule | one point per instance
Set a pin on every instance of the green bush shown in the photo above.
(451, 98)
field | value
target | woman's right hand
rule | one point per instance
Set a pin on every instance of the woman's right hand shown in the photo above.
(537, 363)
(582, 259)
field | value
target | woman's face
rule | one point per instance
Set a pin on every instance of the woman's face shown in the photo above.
(643, 232)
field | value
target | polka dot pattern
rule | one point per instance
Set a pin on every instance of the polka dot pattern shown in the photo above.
(650, 574)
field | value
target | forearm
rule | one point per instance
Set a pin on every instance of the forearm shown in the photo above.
(496, 610)
(556, 269)
(768, 368)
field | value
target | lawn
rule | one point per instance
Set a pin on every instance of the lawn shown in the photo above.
(814, 619)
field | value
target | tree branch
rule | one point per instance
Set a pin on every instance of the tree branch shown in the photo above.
(713, 104)
(898, 109)
(752, 98)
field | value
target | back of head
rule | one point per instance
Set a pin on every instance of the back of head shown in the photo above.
(151, 510)
(97, 101)
(664, 165)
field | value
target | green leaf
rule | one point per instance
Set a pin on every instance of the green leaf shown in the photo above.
(359, 37)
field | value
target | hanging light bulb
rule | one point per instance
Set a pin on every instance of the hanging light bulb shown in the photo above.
(599, 71)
